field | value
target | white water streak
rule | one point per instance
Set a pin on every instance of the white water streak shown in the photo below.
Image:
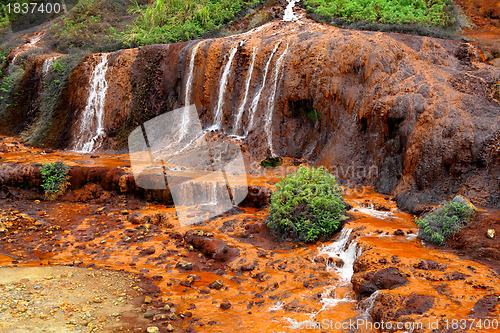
(187, 94)
(47, 64)
(241, 109)
(222, 89)
(272, 101)
(338, 250)
(92, 122)
(289, 14)
(189, 81)
(256, 99)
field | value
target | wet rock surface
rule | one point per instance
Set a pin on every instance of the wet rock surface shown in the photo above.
(416, 117)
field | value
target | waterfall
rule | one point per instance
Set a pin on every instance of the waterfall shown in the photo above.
(187, 94)
(189, 81)
(271, 101)
(239, 114)
(346, 252)
(289, 14)
(47, 64)
(92, 120)
(255, 102)
(222, 89)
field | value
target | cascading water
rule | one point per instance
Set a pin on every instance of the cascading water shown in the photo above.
(239, 114)
(91, 129)
(47, 64)
(289, 14)
(342, 250)
(189, 81)
(272, 100)
(187, 94)
(222, 89)
(256, 99)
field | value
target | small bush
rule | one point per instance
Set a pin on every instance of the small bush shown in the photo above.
(444, 221)
(271, 162)
(55, 179)
(306, 206)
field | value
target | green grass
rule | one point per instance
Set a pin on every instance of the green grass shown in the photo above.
(444, 221)
(306, 205)
(424, 12)
(167, 21)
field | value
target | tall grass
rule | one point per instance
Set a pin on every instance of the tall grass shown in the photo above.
(424, 12)
(166, 21)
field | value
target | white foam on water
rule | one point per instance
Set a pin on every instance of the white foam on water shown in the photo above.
(345, 251)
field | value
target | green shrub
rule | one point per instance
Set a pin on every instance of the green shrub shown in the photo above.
(306, 206)
(271, 162)
(444, 221)
(434, 12)
(55, 179)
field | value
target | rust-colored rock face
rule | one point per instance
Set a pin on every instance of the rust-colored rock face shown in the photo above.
(414, 116)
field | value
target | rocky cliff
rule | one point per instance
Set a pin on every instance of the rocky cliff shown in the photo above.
(415, 117)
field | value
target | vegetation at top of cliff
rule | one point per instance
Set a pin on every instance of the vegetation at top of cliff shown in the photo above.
(445, 221)
(166, 21)
(55, 179)
(306, 205)
(424, 12)
(92, 25)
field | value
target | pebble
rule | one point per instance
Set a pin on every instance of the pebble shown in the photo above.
(153, 329)
(148, 300)
(149, 315)
(490, 233)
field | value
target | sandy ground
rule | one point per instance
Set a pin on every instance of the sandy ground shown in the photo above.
(68, 299)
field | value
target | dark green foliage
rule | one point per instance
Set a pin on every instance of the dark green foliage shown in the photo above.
(433, 12)
(444, 221)
(307, 205)
(8, 83)
(167, 21)
(54, 176)
(271, 162)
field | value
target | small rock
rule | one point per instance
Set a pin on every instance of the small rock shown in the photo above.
(149, 315)
(184, 264)
(399, 232)
(225, 305)
(490, 233)
(125, 212)
(217, 284)
(147, 300)
(153, 329)
(172, 316)
(170, 328)
(100, 210)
